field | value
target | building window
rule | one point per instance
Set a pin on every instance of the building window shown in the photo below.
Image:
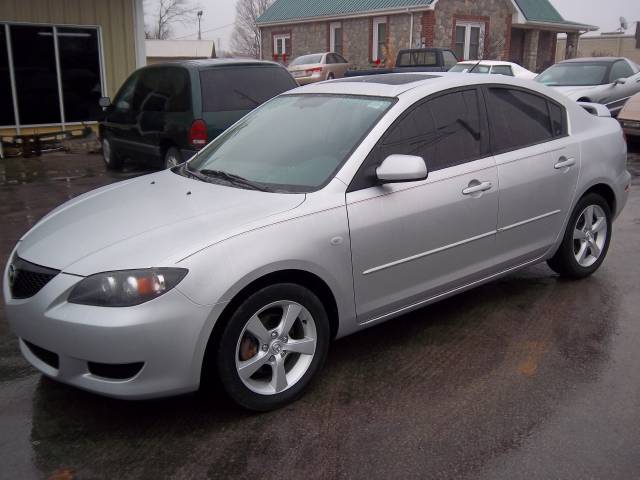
(379, 43)
(55, 73)
(282, 46)
(335, 37)
(468, 40)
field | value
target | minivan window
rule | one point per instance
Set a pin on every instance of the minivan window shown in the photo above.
(293, 143)
(162, 90)
(232, 89)
(518, 119)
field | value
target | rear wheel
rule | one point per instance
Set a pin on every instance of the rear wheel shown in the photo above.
(273, 346)
(331, 76)
(111, 159)
(586, 240)
(172, 157)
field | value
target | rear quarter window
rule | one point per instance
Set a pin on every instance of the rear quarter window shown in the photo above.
(242, 88)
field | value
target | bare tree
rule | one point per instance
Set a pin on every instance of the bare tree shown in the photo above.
(167, 13)
(245, 39)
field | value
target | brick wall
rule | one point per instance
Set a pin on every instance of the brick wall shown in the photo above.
(495, 14)
(357, 37)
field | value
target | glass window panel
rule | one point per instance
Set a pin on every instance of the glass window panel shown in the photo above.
(6, 99)
(80, 72)
(459, 48)
(382, 40)
(518, 119)
(474, 43)
(337, 42)
(35, 72)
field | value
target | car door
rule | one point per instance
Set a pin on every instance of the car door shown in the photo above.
(411, 241)
(618, 94)
(120, 118)
(538, 166)
(341, 65)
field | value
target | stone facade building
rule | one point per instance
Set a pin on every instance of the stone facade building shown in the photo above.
(370, 32)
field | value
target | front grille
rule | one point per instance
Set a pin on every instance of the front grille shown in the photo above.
(26, 279)
(46, 356)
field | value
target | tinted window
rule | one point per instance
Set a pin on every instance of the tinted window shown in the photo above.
(6, 104)
(445, 131)
(331, 58)
(518, 119)
(620, 69)
(341, 59)
(228, 89)
(162, 90)
(418, 58)
(34, 64)
(557, 119)
(80, 71)
(502, 70)
(449, 59)
(124, 98)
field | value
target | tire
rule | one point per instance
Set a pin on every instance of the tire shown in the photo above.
(172, 158)
(577, 256)
(331, 76)
(259, 366)
(111, 159)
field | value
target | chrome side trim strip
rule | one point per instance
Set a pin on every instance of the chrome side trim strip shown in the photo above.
(430, 252)
(524, 222)
(452, 291)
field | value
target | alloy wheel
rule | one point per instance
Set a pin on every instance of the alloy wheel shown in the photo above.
(276, 347)
(590, 235)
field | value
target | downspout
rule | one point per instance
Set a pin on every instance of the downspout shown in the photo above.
(260, 42)
(410, 30)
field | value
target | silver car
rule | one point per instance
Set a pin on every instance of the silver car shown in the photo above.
(610, 81)
(329, 209)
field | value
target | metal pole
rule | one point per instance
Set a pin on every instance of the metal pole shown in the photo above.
(56, 51)
(199, 31)
(12, 78)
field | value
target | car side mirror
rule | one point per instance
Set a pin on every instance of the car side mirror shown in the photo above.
(620, 81)
(104, 102)
(402, 168)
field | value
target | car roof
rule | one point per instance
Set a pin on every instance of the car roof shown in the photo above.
(205, 63)
(593, 59)
(394, 85)
(487, 62)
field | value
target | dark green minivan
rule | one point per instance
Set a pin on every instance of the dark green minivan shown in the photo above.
(164, 113)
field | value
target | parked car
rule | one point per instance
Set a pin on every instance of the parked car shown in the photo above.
(629, 117)
(494, 67)
(610, 81)
(318, 67)
(414, 60)
(164, 113)
(330, 209)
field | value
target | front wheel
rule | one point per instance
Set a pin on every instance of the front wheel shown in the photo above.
(172, 158)
(586, 240)
(111, 159)
(273, 346)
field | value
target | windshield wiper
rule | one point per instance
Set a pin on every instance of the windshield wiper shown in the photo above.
(232, 178)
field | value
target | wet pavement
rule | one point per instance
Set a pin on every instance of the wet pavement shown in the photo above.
(527, 377)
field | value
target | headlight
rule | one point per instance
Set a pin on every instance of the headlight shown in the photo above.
(126, 288)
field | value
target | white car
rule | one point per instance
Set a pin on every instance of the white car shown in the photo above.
(494, 67)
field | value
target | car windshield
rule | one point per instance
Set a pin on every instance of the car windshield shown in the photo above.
(294, 143)
(417, 58)
(473, 67)
(307, 59)
(575, 74)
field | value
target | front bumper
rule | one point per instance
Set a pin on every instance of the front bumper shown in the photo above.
(167, 335)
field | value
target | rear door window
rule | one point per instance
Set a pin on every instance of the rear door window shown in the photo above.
(245, 88)
(518, 119)
(502, 70)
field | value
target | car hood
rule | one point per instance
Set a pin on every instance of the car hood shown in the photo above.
(575, 93)
(154, 220)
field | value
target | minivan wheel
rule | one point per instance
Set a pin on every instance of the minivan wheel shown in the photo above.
(273, 346)
(586, 240)
(111, 159)
(172, 158)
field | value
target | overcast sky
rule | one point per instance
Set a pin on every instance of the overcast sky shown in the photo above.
(218, 17)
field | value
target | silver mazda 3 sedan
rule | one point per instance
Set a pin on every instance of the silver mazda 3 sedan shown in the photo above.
(329, 209)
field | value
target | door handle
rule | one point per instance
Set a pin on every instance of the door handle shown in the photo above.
(477, 187)
(564, 162)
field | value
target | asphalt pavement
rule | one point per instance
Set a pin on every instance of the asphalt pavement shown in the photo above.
(528, 377)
